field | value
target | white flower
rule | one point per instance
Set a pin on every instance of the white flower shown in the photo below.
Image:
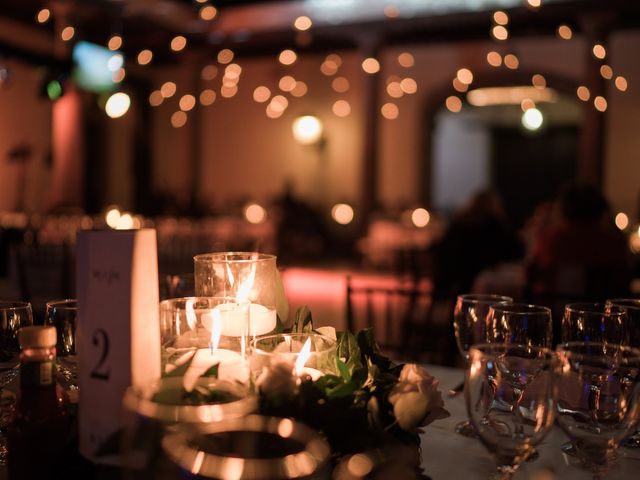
(416, 399)
(277, 379)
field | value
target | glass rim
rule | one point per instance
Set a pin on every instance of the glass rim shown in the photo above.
(221, 257)
(593, 307)
(629, 354)
(138, 399)
(178, 447)
(14, 305)
(330, 341)
(63, 303)
(173, 303)
(519, 308)
(484, 298)
(632, 303)
(485, 348)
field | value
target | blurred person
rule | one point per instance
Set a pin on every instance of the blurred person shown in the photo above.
(582, 256)
(478, 237)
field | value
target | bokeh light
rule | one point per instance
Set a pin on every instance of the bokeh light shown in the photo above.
(187, 102)
(565, 32)
(67, 33)
(500, 17)
(117, 105)
(390, 111)
(43, 15)
(287, 57)
(340, 84)
(371, 65)
(539, 81)
(168, 89)
(600, 103)
(622, 220)
(225, 56)
(209, 72)
(307, 129)
(532, 119)
(115, 42)
(178, 43)
(261, 94)
(300, 90)
(394, 90)
(511, 61)
(228, 91)
(453, 104)
(341, 108)
(207, 97)
(145, 56)
(287, 83)
(599, 51)
(409, 85)
(459, 86)
(342, 213)
(465, 76)
(406, 60)
(208, 12)
(302, 23)
(420, 217)
(255, 213)
(156, 98)
(178, 119)
(583, 93)
(621, 83)
(494, 59)
(606, 71)
(499, 33)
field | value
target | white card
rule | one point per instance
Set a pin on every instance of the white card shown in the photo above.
(118, 328)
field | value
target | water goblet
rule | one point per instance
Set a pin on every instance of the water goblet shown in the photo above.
(469, 325)
(511, 400)
(598, 399)
(595, 322)
(13, 316)
(632, 307)
(520, 324)
(63, 314)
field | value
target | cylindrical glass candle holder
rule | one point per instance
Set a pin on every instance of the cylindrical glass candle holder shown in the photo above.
(162, 407)
(246, 278)
(204, 331)
(254, 447)
(309, 354)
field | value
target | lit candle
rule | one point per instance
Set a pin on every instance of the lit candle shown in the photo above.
(233, 318)
(304, 355)
(231, 365)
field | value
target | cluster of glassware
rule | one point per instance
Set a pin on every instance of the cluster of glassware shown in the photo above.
(517, 386)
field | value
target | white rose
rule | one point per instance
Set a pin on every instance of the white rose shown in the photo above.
(416, 399)
(277, 379)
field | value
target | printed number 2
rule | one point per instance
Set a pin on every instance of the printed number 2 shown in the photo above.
(101, 339)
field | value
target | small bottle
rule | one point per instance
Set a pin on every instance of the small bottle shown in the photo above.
(41, 426)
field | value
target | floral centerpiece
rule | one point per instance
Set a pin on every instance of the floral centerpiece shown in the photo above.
(372, 403)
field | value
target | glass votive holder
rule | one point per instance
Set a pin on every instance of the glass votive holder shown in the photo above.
(309, 354)
(164, 406)
(254, 447)
(204, 331)
(247, 278)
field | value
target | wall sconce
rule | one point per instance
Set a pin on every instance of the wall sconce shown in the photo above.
(307, 130)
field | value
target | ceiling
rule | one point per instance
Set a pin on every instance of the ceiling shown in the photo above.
(257, 27)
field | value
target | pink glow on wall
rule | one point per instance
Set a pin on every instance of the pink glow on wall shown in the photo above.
(67, 173)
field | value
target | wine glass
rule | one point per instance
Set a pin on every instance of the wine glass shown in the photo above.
(469, 325)
(598, 399)
(632, 307)
(13, 316)
(496, 378)
(593, 322)
(63, 314)
(520, 324)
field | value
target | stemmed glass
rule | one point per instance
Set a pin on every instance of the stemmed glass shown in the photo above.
(469, 325)
(598, 399)
(632, 307)
(500, 379)
(520, 324)
(593, 322)
(63, 314)
(13, 316)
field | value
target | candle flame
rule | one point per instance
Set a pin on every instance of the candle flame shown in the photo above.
(242, 296)
(303, 356)
(216, 330)
(191, 314)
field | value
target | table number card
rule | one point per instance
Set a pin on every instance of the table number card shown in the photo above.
(118, 329)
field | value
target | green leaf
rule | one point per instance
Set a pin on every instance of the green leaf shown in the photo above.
(212, 372)
(344, 370)
(348, 351)
(343, 390)
(303, 322)
(181, 369)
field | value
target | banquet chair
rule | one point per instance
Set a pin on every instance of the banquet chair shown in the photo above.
(403, 318)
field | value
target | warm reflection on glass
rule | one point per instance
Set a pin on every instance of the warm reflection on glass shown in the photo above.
(511, 399)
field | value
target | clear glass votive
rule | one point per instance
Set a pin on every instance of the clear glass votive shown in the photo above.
(205, 331)
(247, 278)
(254, 447)
(63, 314)
(310, 354)
(162, 407)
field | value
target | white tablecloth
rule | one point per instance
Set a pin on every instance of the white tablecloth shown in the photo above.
(447, 455)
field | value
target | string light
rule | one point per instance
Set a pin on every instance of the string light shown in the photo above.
(465, 76)
(43, 15)
(600, 103)
(494, 59)
(208, 12)
(500, 17)
(621, 83)
(145, 57)
(500, 33)
(453, 104)
(565, 32)
(178, 43)
(115, 42)
(371, 65)
(599, 51)
(67, 33)
(606, 71)
(302, 23)
(583, 93)
(287, 57)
